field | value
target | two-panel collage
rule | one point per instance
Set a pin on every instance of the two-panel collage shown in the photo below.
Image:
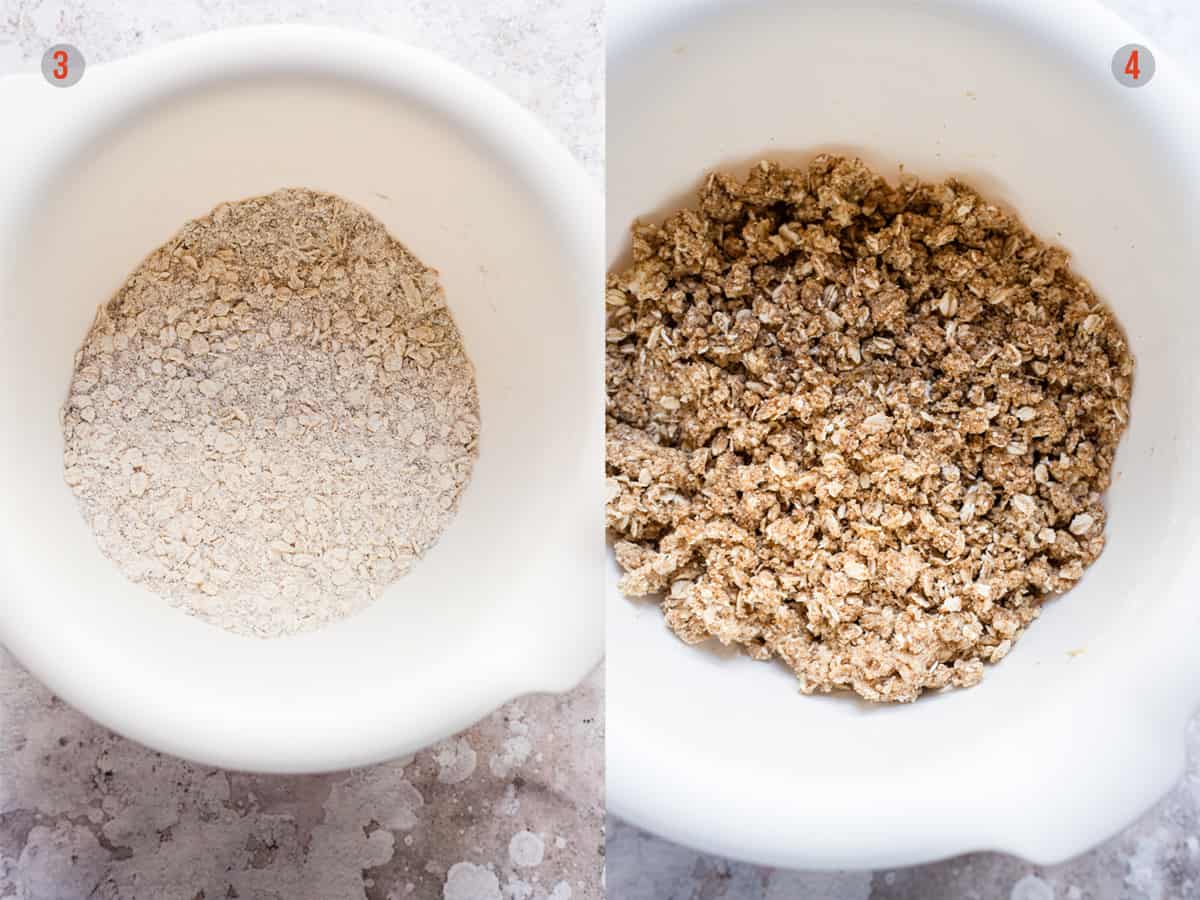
(566, 450)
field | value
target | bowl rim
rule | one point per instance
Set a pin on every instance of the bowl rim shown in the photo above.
(57, 124)
(652, 789)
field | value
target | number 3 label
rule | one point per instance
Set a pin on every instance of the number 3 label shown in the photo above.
(63, 65)
(1133, 65)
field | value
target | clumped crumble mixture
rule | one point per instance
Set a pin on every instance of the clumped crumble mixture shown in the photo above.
(274, 416)
(861, 428)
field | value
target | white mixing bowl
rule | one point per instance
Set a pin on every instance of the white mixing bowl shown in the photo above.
(95, 176)
(1053, 752)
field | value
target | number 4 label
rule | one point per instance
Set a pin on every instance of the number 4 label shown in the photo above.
(1133, 65)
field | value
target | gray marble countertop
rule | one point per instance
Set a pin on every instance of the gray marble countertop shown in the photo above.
(512, 809)
(1157, 858)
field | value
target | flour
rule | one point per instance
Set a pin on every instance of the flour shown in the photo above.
(456, 760)
(274, 417)
(526, 849)
(509, 804)
(1031, 887)
(467, 881)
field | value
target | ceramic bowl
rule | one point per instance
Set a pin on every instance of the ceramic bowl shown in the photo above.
(95, 176)
(1081, 728)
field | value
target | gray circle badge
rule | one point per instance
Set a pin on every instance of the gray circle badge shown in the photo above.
(1133, 65)
(63, 65)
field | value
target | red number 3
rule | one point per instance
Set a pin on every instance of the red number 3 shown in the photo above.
(1131, 67)
(60, 71)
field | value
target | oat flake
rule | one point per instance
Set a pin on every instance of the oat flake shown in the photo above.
(274, 417)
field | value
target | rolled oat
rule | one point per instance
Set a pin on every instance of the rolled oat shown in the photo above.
(274, 416)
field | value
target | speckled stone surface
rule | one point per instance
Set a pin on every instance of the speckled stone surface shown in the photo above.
(1158, 858)
(509, 810)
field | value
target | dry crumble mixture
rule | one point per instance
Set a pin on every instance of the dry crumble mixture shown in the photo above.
(274, 417)
(861, 428)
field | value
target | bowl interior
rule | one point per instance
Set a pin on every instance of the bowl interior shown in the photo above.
(456, 635)
(1029, 113)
